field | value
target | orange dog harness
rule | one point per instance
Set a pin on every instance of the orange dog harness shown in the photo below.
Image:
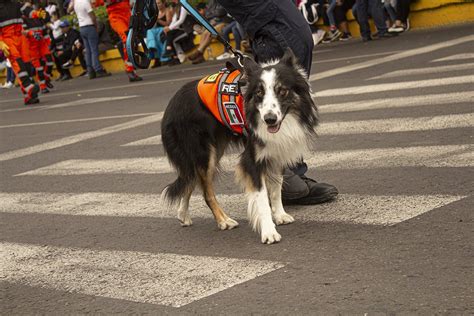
(220, 93)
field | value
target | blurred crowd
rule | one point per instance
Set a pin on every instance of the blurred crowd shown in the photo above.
(48, 39)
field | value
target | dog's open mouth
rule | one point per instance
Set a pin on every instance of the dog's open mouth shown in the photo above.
(273, 128)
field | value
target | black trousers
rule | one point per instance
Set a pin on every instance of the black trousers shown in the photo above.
(403, 10)
(71, 54)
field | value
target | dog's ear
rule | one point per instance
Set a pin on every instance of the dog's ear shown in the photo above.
(289, 58)
(250, 66)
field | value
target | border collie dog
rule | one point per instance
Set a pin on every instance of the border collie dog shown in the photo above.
(280, 122)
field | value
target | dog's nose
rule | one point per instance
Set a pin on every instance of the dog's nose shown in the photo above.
(270, 118)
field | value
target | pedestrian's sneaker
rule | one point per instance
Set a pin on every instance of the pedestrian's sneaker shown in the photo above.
(68, 65)
(182, 57)
(133, 77)
(32, 95)
(318, 37)
(44, 90)
(48, 83)
(345, 37)
(332, 36)
(7, 85)
(396, 29)
(102, 73)
(225, 55)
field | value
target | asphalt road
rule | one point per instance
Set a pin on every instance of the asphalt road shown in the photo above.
(82, 229)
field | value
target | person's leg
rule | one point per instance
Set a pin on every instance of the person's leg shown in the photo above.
(93, 38)
(377, 12)
(390, 10)
(10, 75)
(119, 19)
(363, 18)
(236, 30)
(82, 61)
(87, 50)
(404, 10)
(226, 31)
(28, 87)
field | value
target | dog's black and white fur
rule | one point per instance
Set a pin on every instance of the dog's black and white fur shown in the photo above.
(281, 119)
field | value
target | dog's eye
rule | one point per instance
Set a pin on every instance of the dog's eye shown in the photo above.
(260, 93)
(283, 92)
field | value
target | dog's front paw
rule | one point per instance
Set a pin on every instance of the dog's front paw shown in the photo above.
(283, 218)
(270, 235)
(227, 224)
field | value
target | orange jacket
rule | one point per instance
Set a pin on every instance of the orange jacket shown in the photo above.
(220, 93)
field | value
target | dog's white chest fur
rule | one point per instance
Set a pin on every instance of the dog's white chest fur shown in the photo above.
(287, 146)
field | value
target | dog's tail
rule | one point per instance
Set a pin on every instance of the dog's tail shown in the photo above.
(173, 192)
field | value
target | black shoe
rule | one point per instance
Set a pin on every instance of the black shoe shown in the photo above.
(366, 39)
(293, 186)
(91, 74)
(133, 77)
(44, 91)
(318, 193)
(174, 62)
(388, 35)
(102, 73)
(49, 84)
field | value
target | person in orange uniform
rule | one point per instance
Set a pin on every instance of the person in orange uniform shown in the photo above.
(15, 49)
(119, 12)
(33, 30)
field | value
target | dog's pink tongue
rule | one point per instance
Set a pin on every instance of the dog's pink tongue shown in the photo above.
(273, 129)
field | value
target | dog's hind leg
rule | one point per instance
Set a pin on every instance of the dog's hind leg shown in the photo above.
(207, 176)
(274, 184)
(183, 208)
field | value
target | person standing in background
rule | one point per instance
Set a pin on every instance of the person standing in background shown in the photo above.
(89, 32)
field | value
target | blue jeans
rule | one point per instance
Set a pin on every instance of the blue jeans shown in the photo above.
(155, 45)
(10, 75)
(234, 28)
(375, 7)
(330, 12)
(390, 10)
(91, 43)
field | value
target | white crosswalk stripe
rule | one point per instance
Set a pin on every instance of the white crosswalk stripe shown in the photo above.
(417, 156)
(349, 208)
(153, 140)
(456, 57)
(425, 71)
(399, 102)
(394, 86)
(156, 278)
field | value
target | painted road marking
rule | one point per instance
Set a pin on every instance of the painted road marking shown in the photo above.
(399, 102)
(425, 71)
(69, 140)
(348, 208)
(144, 277)
(125, 86)
(418, 156)
(456, 57)
(394, 125)
(395, 86)
(78, 120)
(394, 57)
(71, 103)
(154, 140)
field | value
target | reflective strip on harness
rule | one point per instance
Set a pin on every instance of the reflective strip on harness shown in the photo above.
(10, 22)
